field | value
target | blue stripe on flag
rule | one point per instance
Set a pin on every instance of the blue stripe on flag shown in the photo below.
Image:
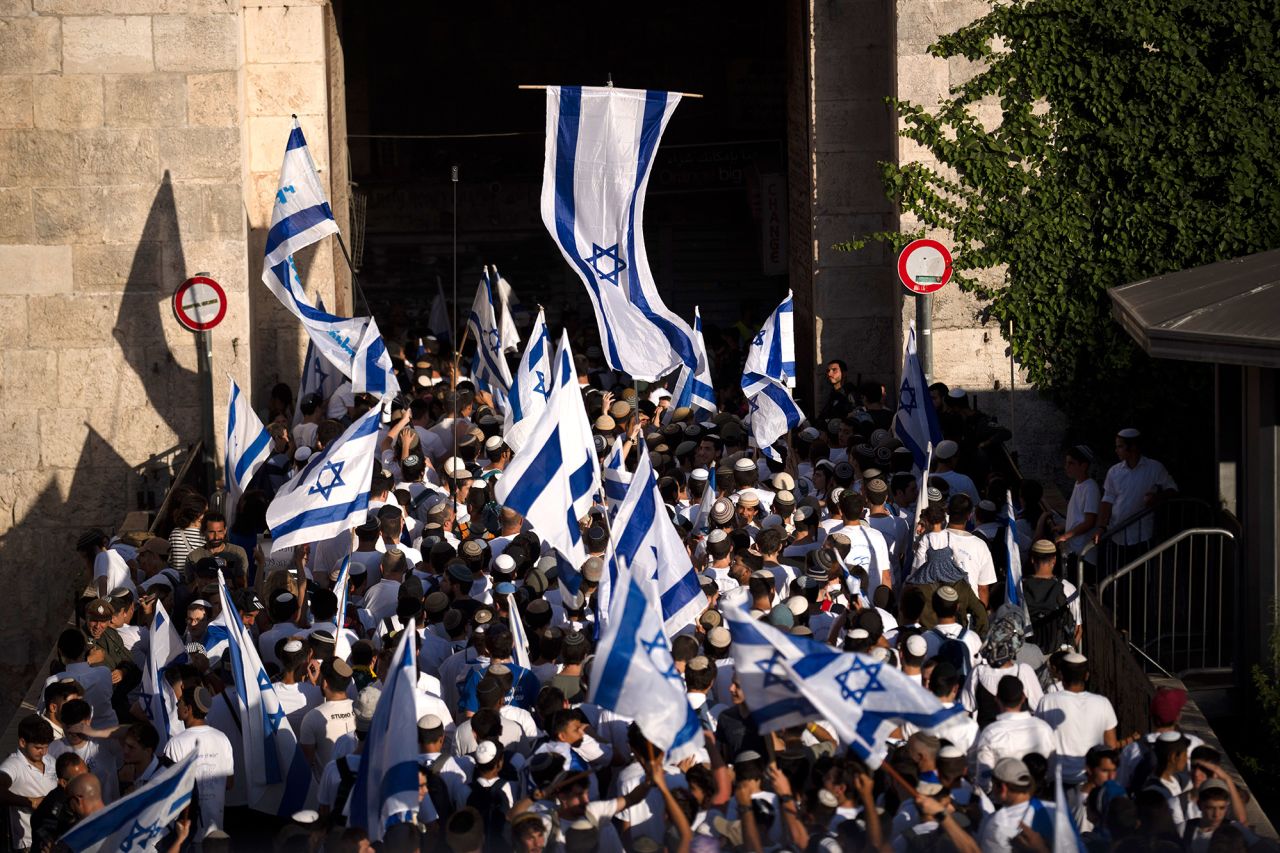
(680, 594)
(536, 477)
(323, 515)
(296, 140)
(624, 648)
(296, 223)
(781, 708)
(250, 454)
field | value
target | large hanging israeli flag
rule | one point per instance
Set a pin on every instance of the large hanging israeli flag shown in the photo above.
(386, 788)
(634, 675)
(600, 149)
(158, 699)
(276, 771)
(248, 446)
(553, 479)
(531, 387)
(916, 421)
(489, 366)
(319, 377)
(772, 353)
(331, 494)
(772, 697)
(646, 543)
(301, 216)
(693, 387)
(773, 414)
(615, 477)
(140, 821)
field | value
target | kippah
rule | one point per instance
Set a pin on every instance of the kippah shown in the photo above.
(427, 722)
(293, 646)
(1129, 432)
(916, 646)
(486, 752)
(948, 593)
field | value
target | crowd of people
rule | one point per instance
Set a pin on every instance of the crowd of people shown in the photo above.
(833, 543)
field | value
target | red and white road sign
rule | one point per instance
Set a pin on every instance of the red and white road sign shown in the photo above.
(199, 303)
(924, 266)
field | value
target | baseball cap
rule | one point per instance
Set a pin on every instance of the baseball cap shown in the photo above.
(366, 703)
(1012, 771)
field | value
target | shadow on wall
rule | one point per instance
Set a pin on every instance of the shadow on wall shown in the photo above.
(134, 396)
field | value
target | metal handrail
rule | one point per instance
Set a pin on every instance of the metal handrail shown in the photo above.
(1141, 516)
(1158, 550)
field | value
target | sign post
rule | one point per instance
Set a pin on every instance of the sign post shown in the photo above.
(924, 266)
(200, 304)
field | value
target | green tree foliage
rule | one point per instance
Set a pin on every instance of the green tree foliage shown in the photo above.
(1138, 138)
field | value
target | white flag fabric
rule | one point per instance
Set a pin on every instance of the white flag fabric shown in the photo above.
(489, 366)
(1066, 835)
(615, 477)
(773, 414)
(248, 445)
(553, 479)
(916, 422)
(139, 821)
(386, 788)
(276, 772)
(531, 387)
(772, 353)
(510, 338)
(1013, 596)
(702, 521)
(301, 216)
(331, 494)
(647, 543)
(319, 377)
(694, 388)
(342, 638)
(158, 699)
(758, 648)
(600, 150)
(634, 675)
(520, 644)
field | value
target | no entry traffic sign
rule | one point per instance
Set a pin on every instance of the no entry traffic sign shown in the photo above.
(199, 303)
(924, 266)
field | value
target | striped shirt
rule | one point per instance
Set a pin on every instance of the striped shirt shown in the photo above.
(182, 541)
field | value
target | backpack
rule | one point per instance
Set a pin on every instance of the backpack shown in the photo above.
(1146, 766)
(955, 651)
(1000, 562)
(492, 805)
(1052, 624)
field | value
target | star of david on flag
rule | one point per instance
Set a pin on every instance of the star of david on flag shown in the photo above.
(915, 423)
(772, 355)
(849, 684)
(141, 819)
(607, 271)
(489, 366)
(531, 387)
(327, 479)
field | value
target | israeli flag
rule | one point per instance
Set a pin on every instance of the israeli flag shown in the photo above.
(342, 640)
(773, 414)
(331, 494)
(139, 821)
(1013, 596)
(158, 699)
(694, 388)
(772, 697)
(489, 366)
(916, 422)
(276, 771)
(319, 377)
(615, 477)
(772, 353)
(1066, 835)
(863, 699)
(531, 387)
(438, 320)
(553, 479)
(520, 646)
(600, 148)
(646, 542)
(702, 521)
(386, 788)
(302, 216)
(248, 446)
(506, 325)
(633, 673)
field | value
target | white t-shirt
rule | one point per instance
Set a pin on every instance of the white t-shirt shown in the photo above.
(868, 549)
(1079, 720)
(343, 398)
(103, 759)
(323, 725)
(941, 633)
(332, 777)
(1013, 734)
(96, 681)
(970, 553)
(1084, 500)
(989, 677)
(26, 781)
(1126, 489)
(110, 565)
(214, 764)
(649, 816)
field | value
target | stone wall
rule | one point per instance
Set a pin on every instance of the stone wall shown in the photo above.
(139, 142)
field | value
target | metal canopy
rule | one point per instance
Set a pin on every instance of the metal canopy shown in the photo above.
(1228, 312)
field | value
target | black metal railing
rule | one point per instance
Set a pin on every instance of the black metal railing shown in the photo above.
(1114, 670)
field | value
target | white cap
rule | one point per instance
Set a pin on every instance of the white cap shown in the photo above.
(293, 646)
(486, 752)
(699, 474)
(916, 646)
(455, 468)
(302, 454)
(1129, 432)
(1074, 658)
(504, 564)
(955, 393)
(859, 634)
(430, 721)
(798, 605)
(946, 449)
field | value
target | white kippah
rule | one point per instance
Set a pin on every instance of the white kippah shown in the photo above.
(916, 646)
(486, 752)
(293, 646)
(699, 474)
(1129, 432)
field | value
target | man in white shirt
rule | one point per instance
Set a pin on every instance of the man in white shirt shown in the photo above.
(1081, 720)
(380, 601)
(1012, 786)
(945, 456)
(946, 606)
(960, 730)
(26, 777)
(896, 532)
(110, 571)
(970, 552)
(331, 719)
(867, 546)
(1132, 484)
(215, 766)
(1014, 734)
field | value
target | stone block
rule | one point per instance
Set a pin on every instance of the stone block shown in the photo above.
(13, 321)
(31, 45)
(68, 102)
(17, 451)
(849, 183)
(212, 152)
(16, 225)
(27, 375)
(102, 7)
(855, 124)
(224, 213)
(104, 267)
(225, 261)
(117, 156)
(36, 158)
(107, 45)
(269, 134)
(66, 215)
(285, 89)
(213, 100)
(922, 80)
(260, 194)
(14, 8)
(829, 230)
(79, 320)
(189, 43)
(292, 33)
(35, 269)
(146, 100)
(16, 108)
(149, 213)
